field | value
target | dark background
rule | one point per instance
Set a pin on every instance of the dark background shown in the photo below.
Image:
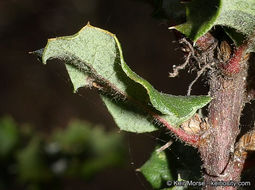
(42, 95)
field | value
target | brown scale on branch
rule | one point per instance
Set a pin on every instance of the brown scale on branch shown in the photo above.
(245, 144)
(240, 55)
(195, 125)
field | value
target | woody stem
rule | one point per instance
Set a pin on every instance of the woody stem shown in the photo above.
(224, 115)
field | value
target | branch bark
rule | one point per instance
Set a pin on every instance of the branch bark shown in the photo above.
(224, 114)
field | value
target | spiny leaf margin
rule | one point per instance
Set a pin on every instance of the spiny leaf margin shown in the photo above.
(174, 113)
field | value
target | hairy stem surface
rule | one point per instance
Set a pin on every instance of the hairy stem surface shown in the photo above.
(224, 115)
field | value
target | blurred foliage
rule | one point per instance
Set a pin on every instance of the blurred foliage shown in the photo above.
(173, 10)
(9, 136)
(34, 161)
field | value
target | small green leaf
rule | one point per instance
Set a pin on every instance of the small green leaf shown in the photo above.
(156, 170)
(202, 15)
(94, 59)
(177, 155)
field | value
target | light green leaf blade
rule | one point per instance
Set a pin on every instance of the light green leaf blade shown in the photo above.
(78, 78)
(92, 51)
(128, 117)
(238, 14)
(96, 60)
(202, 15)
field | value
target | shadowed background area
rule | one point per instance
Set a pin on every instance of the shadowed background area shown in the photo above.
(41, 96)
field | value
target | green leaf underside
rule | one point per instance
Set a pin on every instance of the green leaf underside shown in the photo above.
(156, 170)
(77, 77)
(202, 15)
(129, 117)
(95, 55)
